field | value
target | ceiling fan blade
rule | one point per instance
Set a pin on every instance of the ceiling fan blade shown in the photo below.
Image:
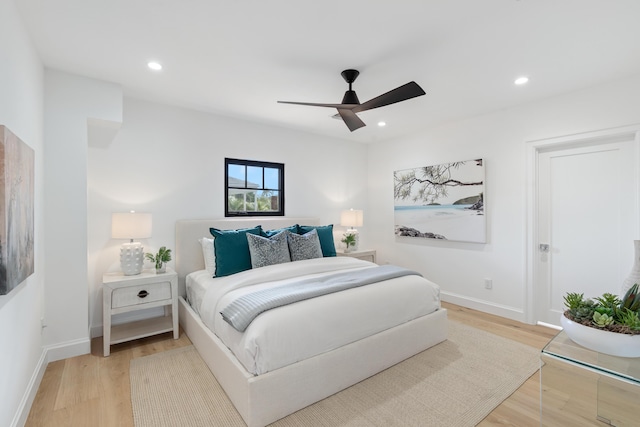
(314, 104)
(402, 93)
(350, 119)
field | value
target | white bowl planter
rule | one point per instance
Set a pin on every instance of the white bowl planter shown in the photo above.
(602, 341)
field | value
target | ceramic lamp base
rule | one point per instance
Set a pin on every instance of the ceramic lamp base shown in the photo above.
(131, 258)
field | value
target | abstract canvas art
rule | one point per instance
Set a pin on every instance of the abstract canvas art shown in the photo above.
(444, 202)
(16, 211)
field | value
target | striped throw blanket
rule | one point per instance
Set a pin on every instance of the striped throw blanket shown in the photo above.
(241, 311)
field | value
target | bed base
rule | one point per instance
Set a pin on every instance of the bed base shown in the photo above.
(263, 399)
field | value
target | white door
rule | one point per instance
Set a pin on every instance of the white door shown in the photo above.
(587, 217)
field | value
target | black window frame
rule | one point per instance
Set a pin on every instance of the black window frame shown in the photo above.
(253, 163)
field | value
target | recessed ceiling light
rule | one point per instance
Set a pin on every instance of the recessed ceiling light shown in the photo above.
(155, 66)
(382, 124)
(521, 80)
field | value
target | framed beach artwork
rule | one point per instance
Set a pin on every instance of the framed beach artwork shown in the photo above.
(16, 210)
(444, 201)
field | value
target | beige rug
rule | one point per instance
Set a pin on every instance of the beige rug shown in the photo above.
(455, 383)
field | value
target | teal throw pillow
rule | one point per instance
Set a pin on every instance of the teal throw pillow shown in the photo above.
(270, 233)
(325, 233)
(232, 250)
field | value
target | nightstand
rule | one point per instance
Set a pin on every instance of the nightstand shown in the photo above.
(360, 254)
(123, 294)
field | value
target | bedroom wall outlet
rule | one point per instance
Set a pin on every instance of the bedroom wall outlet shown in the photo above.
(488, 283)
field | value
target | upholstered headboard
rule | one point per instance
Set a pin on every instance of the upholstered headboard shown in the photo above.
(188, 253)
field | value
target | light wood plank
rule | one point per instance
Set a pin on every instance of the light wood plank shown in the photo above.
(79, 382)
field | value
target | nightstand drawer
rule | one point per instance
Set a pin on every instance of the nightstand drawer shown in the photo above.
(141, 294)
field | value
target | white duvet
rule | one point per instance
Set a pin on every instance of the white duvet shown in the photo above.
(295, 332)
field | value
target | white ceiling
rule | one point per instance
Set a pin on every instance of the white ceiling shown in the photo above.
(237, 58)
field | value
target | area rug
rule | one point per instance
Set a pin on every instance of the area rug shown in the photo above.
(455, 383)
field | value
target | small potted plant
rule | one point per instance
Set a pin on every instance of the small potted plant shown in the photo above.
(349, 240)
(606, 324)
(160, 259)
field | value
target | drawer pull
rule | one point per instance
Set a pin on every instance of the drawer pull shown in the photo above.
(142, 294)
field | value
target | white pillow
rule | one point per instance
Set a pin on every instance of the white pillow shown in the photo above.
(209, 255)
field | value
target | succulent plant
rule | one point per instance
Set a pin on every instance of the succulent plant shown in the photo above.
(631, 319)
(573, 300)
(631, 299)
(585, 312)
(602, 319)
(608, 300)
(607, 312)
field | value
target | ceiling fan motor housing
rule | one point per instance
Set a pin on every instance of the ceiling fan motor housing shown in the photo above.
(350, 97)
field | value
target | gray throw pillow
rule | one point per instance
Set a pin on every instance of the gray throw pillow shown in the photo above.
(305, 246)
(268, 250)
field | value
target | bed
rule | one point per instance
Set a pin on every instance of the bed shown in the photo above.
(264, 391)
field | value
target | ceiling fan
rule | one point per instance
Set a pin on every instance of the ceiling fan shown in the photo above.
(351, 105)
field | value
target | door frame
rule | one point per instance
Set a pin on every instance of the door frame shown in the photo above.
(533, 149)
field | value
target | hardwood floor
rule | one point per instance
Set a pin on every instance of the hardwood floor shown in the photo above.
(92, 390)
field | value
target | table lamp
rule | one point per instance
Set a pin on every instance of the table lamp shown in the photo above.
(352, 219)
(131, 225)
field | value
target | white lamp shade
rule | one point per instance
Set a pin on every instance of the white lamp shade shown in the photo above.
(130, 225)
(351, 218)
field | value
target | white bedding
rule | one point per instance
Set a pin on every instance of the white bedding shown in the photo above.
(197, 284)
(274, 340)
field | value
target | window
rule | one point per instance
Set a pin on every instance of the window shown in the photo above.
(253, 188)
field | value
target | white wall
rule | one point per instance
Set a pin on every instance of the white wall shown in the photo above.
(72, 103)
(499, 138)
(170, 162)
(21, 354)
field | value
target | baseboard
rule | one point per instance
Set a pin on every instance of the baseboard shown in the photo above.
(68, 349)
(484, 306)
(22, 413)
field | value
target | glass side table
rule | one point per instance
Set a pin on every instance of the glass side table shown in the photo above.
(581, 387)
